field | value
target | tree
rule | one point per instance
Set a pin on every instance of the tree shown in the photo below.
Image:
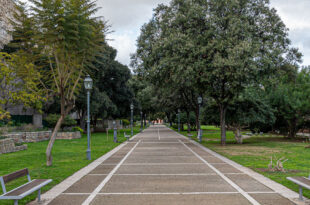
(250, 110)
(291, 100)
(110, 96)
(69, 37)
(19, 84)
(215, 47)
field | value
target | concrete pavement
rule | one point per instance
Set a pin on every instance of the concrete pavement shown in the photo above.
(161, 167)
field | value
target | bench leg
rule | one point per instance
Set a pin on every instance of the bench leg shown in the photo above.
(15, 202)
(39, 195)
(300, 193)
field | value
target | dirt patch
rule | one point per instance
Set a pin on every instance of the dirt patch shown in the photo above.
(248, 150)
(276, 172)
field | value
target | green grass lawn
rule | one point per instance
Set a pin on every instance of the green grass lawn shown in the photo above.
(69, 156)
(255, 153)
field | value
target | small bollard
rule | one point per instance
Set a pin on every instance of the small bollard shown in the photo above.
(115, 132)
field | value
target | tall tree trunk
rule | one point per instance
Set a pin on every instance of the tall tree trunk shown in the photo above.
(223, 109)
(49, 158)
(82, 120)
(169, 119)
(95, 122)
(292, 128)
(145, 120)
(188, 122)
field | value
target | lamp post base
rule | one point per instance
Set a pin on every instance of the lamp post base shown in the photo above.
(88, 155)
(200, 135)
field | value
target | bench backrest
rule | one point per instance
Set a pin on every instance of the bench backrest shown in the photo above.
(15, 175)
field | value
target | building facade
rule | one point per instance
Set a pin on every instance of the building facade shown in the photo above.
(7, 8)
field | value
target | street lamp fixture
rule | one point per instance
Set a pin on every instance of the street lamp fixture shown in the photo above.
(199, 124)
(200, 100)
(88, 84)
(131, 120)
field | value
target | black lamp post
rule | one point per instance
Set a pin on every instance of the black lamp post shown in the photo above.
(131, 120)
(179, 128)
(88, 84)
(141, 128)
(200, 130)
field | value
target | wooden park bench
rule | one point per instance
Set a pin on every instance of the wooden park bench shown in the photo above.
(303, 182)
(23, 190)
(127, 136)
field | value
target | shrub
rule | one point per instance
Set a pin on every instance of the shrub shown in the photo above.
(52, 119)
(68, 122)
(77, 129)
(125, 122)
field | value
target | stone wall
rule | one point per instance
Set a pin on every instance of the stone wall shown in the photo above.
(8, 146)
(25, 137)
(68, 135)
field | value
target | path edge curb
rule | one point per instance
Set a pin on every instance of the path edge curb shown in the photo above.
(54, 192)
(277, 187)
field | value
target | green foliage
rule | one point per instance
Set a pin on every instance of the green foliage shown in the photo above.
(19, 84)
(110, 96)
(215, 48)
(125, 122)
(291, 100)
(52, 119)
(251, 109)
(77, 129)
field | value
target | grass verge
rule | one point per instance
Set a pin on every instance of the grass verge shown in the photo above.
(256, 152)
(69, 156)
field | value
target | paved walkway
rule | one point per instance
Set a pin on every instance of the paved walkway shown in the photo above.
(160, 167)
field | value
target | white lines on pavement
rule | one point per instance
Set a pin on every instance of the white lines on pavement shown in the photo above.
(75, 193)
(239, 189)
(156, 148)
(138, 164)
(218, 163)
(107, 164)
(145, 142)
(262, 192)
(171, 193)
(194, 174)
(109, 176)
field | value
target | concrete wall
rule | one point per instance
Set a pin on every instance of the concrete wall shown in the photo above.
(25, 137)
(7, 8)
(8, 146)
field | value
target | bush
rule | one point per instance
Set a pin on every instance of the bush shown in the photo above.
(52, 119)
(175, 126)
(125, 122)
(77, 129)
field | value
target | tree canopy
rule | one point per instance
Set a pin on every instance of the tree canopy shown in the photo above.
(213, 48)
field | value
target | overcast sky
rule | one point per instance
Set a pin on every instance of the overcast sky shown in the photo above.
(127, 16)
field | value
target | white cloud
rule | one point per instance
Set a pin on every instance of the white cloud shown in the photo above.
(295, 15)
(124, 44)
(126, 19)
(127, 16)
